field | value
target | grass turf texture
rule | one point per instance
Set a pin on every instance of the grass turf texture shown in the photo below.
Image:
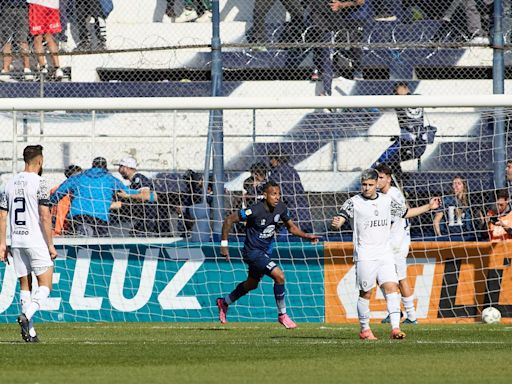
(254, 353)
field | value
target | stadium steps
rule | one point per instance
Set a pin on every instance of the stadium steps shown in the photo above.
(453, 156)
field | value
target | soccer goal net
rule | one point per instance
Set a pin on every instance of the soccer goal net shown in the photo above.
(122, 259)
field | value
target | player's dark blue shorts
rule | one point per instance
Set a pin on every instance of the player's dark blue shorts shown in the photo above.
(259, 263)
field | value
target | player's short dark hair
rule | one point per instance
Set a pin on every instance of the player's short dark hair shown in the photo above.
(369, 174)
(71, 170)
(509, 161)
(31, 152)
(384, 168)
(99, 162)
(502, 194)
(270, 184)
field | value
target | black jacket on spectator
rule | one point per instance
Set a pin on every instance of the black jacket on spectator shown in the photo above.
(142, 214)
(293, 194)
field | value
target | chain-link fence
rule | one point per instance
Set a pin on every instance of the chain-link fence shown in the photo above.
(309, 42)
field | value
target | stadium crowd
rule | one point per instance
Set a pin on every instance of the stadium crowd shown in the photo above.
(93, 202)
(27, 22)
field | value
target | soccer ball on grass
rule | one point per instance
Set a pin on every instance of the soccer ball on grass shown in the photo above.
(491, 315)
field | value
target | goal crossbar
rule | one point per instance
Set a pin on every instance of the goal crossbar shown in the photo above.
(230, 103)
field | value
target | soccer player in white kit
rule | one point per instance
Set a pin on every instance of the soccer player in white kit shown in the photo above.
(26, 204)
(371, 214)
(400, 242)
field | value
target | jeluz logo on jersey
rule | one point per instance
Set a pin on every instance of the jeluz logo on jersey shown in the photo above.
(268, 232)
(376, 223)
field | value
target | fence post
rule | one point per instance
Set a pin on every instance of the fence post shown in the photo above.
(14, 141)
(498, 83)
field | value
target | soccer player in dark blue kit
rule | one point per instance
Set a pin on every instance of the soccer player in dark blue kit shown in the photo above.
(261, 221)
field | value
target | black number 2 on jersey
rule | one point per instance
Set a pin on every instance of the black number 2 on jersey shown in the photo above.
(19, 211)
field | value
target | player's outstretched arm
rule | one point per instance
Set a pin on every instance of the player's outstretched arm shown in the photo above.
(142, 194)
(226, 228)
(46, 224)
(296, 231)
(434, 203)
(337, 222)
(3, 235)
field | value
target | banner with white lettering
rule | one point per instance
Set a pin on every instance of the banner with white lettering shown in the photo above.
(167, 282)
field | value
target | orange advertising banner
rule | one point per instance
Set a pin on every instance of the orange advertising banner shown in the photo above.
(452, 282)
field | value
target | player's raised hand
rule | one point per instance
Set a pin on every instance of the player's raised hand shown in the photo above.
(337, 222)
(312, 238)
(53, 252)
(122, 195)
(435, 203)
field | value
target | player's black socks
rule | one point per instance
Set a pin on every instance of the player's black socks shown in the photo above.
(238, 292)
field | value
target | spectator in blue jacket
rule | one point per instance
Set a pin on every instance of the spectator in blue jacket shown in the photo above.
(92, 193)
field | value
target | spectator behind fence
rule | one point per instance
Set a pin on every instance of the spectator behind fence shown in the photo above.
(414, 135)
(14, 28)
(92, 194)
(253, 185)
(292, 191)
(141, 214)
(169, 13)
(477, 18)
(196, 211)
(508, 177)
(44, 21)
(194, 8)
(260, 11)
(341, 22)
(61, 210)
(99, 11)
(66, 14)
(454, 220)
(499, 218)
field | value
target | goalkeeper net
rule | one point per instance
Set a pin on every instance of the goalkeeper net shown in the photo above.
(158, 260)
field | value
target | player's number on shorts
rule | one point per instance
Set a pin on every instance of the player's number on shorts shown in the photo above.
(19, 211)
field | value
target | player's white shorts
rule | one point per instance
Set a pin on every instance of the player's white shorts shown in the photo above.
(371, 272)
(401, 261)
(28, 260)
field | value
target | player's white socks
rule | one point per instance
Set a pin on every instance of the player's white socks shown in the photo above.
(25, 300)
(363, 312)
(393, 303)
(279, 294)
(38, 299)
(409, 307)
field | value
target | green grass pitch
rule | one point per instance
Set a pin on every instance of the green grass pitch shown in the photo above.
(254, 353)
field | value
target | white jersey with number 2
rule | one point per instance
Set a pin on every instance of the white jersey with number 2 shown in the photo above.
(24, 193)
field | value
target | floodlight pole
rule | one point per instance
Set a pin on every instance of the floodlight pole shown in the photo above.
(498, 82)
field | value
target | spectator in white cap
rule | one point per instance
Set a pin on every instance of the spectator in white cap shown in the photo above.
(142, 214)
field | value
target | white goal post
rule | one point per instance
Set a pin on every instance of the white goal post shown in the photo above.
(163, 275)
(202, 103)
